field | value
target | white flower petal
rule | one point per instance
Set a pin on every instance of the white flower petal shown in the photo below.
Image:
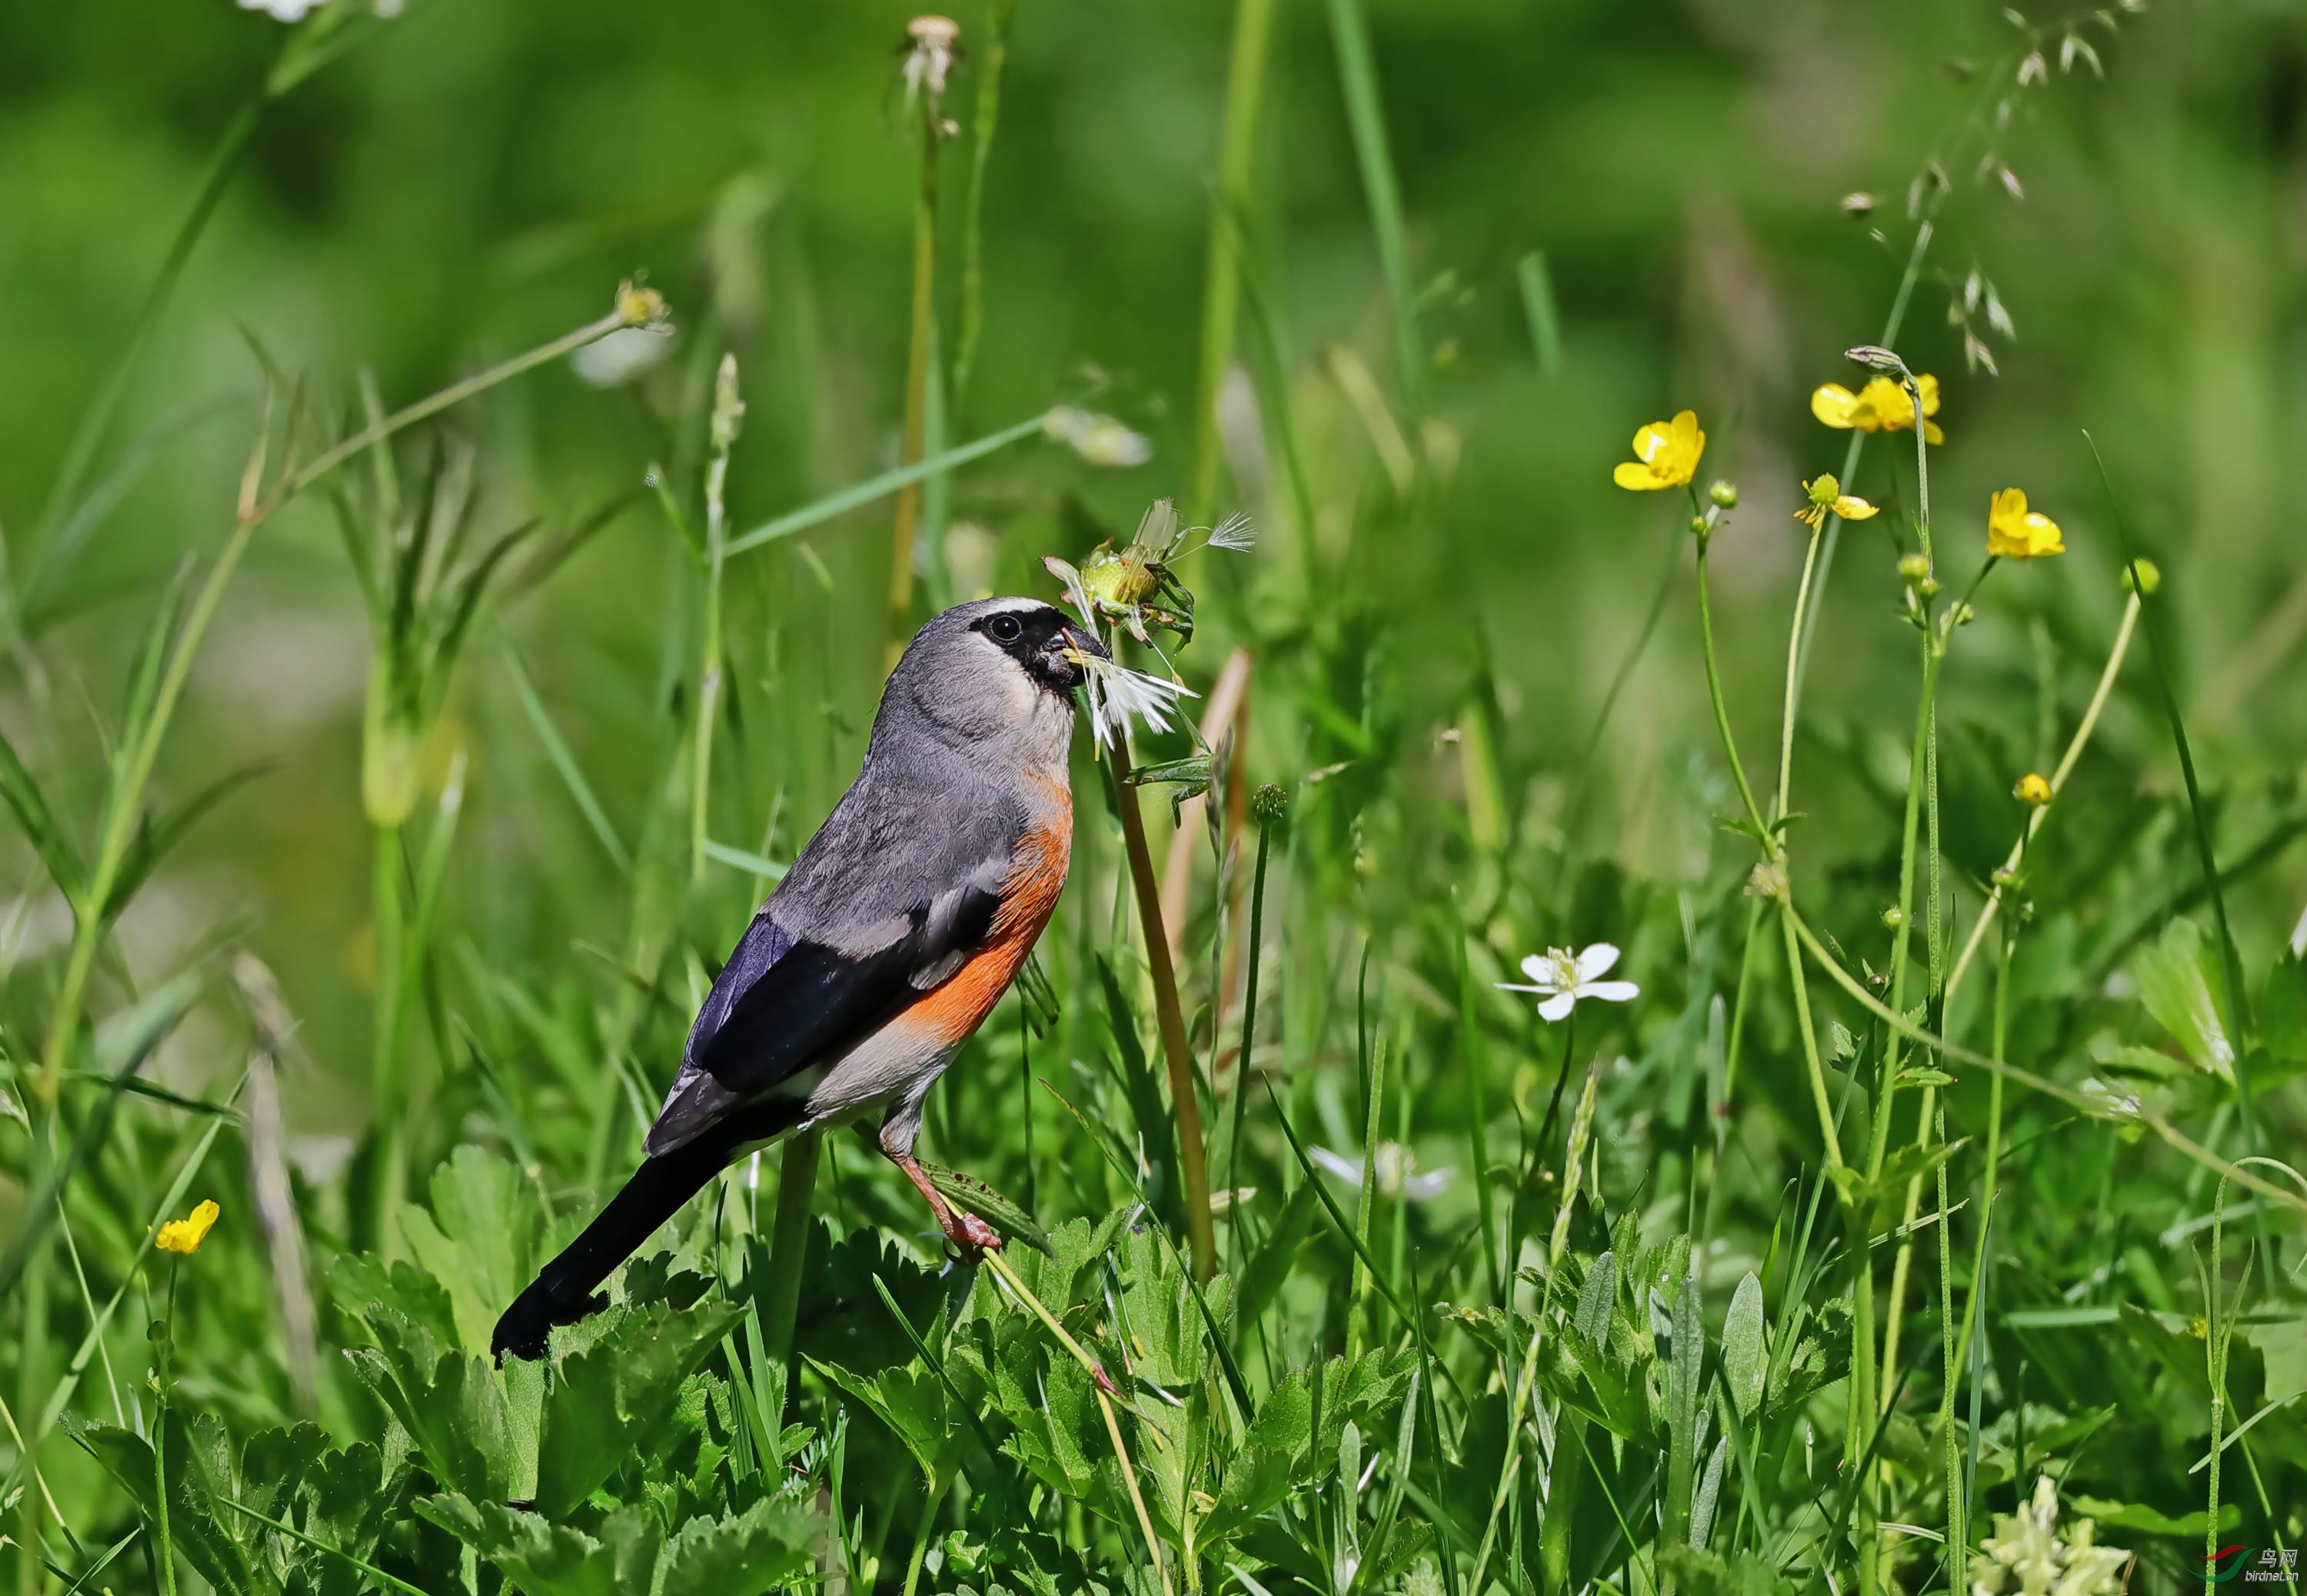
(1610, 992)
(1597, 960)
(1539, 969)
(1554, 1008)
(1518, 986)
(1421, 1188)
(1345, 1169)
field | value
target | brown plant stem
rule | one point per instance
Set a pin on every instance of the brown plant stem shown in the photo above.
(1192, 1159)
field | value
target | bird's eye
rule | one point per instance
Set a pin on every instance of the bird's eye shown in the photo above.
(1005, 629)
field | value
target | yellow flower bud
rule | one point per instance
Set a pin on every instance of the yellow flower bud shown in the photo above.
(2032, 790)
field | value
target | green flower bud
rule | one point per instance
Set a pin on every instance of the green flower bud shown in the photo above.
(2149, 578)
(1913, 569)
(1724, 492)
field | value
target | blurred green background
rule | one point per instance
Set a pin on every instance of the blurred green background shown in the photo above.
(475, 177)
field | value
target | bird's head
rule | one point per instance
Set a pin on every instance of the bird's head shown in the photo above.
(992, 670)
(1039, 639)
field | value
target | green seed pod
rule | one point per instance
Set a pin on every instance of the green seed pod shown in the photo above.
(1270, 805)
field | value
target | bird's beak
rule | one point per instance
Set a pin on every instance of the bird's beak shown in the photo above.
(1085, 642)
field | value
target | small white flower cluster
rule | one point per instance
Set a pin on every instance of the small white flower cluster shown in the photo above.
(2026, 1555)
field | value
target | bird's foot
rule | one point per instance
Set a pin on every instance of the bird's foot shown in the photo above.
(971, 1236)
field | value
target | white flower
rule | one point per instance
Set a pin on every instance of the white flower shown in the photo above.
(281, 10)
(1397, 1173)
(614, 358)
(1561, 977)
(1116, 693)
(1099, 439)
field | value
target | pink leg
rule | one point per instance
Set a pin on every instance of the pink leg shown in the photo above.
(970, 1236)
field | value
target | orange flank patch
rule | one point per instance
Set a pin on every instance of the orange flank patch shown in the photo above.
(961, 1003)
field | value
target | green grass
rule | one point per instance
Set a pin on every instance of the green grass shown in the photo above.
(369, 860)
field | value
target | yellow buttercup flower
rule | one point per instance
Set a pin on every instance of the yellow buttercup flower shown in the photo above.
(2032, 790)
(1666, 455)
(1883, 405)
(2014, 532)
(1827, 498)
(185, 1235)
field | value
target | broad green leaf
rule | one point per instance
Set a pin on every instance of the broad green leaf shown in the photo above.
(911, 1402)
(2283, 1347)
(768, 1544)
(2283, 1012)
(1279, 1251)
(195, 1518)
(548, 1559)
(478, 1240)
(2140, 1520)
(2174, 984)
(360, 1280)
(1598, 1297)
(1697, 1573)
(451, 1403)
(1746, 1360)
(608, 1395)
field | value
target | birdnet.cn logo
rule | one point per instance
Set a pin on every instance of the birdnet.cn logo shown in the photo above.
(2272, 1564)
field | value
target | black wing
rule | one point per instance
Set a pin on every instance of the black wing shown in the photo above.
(781, 1005)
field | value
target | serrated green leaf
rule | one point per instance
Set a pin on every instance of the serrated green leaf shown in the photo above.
(478, 1239)
(610, 1395)
(2174, 984)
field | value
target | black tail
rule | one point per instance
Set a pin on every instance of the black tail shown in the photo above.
(562, 1291)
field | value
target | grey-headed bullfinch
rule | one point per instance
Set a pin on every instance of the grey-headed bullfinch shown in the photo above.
(884, 946)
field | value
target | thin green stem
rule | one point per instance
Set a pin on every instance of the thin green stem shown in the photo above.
(1794, 673)
(1193, 1167)
(992, 59)
(1242, 1053)
(1763, 832)
(1801, 988)
(80, 454)
(456, 393)
(161, 1443)
(788, 1250)
(387, 920)
(2278, 1197)
(1101, 1387)
(2074, 749)
(907, 525)
(1253, 29)
(1365, 118)
(1849, 473)
(727, 411)
(927, 1528)
(1987, 918)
